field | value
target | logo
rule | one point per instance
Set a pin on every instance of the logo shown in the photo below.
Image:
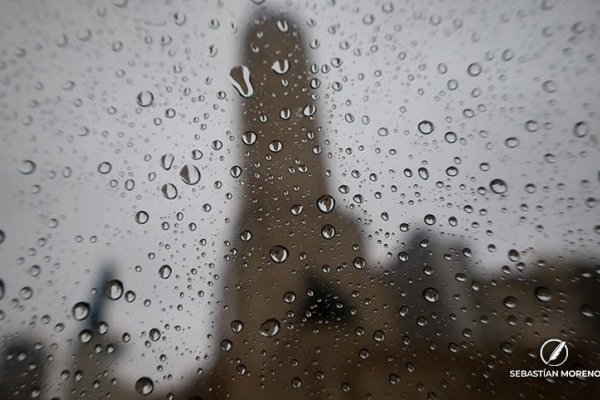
(554, 352)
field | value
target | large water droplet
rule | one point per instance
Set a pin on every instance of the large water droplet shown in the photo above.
(498, 186)
(166, 161)
(328, 231)
(279, 254)
(114, 289)
(190, 174)
(165, 271)
(80, 311)
(141, 217)
(249, 137)
(237, 326)
(431, 295)
(543, 294)
(281, 66)
(581, 129)
(27, 167)
(145, 98)
(326, 203)
(270, 327)
(144, 386)
(240, 79)
(425, 127)
(169, 191)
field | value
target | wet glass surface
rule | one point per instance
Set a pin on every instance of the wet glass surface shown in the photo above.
(278, 199)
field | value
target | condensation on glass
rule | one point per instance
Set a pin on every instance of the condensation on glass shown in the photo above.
(273, 199)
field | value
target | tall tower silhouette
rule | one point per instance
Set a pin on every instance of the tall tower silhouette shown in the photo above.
(298, 284)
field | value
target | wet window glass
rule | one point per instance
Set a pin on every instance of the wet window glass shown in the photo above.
(277, 199)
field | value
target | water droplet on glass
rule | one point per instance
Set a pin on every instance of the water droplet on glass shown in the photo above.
(165, 271)
(474, 69)
(166, 161)
(429, 219)
(543, 294)
(235, 171)
(141, 217)
(425, 127)
(169, 191)
(296, 209)
(394, 379)
(154, 334)
(281, 66)
(279, 254)
(27, 167)
(326, 203)
(359, 263)
(249, 138)
(237, 326)
(431, 295)
(270, 327)
(289, 297)
(240, 79)
(275, 146)
(145, 98)
(379, 335)
(581, 129)
(510, 302)
(328, 231)
(104, 167)
(190, 174)
(498, 186)
(144, 386)
(114, 289)
(80, 311)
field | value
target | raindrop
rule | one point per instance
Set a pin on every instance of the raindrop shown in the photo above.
(165, 271)
(543, 294)
(394, 379)
(269, 328)
(383, 132)
(379, 335)
(249, 138)
(166, 161)
(169, 191)
(425, 127)
(145, 98)
(80, 311)
(581, 129)
(289, 297)
(154, 334)
(275, 146)
(359, 263)
(104, 167)
(141, 217)
(114, 289)
(281, 66)
(144, 386)
(498, 186)
(190, 174)
(431, 295)
(240, 79)
(235, 171)
(279, 254)
(237, 326)
(328, 231)
(429, 219)
(326, 203)
(474, 69)
(27, 167)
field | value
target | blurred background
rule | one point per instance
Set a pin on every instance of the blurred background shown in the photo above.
(459, 140)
